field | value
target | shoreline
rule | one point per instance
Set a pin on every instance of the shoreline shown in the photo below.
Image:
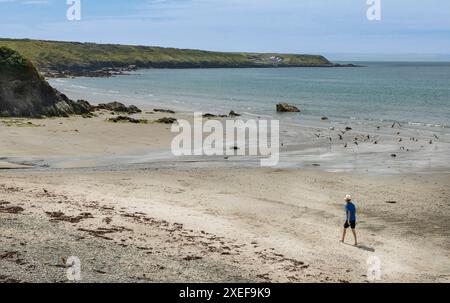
(107, 72)
(78, 142)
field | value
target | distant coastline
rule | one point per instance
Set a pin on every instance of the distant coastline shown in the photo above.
(107, 72)
(57, 59)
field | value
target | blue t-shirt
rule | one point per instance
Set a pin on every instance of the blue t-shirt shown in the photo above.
(352, 208)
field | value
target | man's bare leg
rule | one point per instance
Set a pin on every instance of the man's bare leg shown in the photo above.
(354, 235)
(343, 235)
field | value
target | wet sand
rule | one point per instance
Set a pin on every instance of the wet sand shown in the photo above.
(88, 143)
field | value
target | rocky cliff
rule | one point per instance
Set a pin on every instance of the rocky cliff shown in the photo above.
(25, 93)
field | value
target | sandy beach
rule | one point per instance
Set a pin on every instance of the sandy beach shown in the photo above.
(83, 187)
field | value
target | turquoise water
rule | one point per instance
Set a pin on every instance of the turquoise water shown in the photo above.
(410, 93)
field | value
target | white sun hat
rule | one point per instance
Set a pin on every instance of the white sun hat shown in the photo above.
(348, 198)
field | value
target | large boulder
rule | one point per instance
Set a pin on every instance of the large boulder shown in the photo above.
(134, 109)
(82, 107)
(286, 108)
(25, 93)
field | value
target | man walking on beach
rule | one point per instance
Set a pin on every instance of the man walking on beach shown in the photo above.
(350, 212)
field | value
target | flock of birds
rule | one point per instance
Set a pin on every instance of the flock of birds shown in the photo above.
(357, 140)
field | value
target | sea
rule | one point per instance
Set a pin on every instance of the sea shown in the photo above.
(408, 93)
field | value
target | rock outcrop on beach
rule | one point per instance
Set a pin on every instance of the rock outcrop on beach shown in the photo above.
(82, 107)
(24, 93)
(127, 119)
(119, 107)
(212, 116)
(232, 114)
(167, 111)
(166, 120)
(286, 108)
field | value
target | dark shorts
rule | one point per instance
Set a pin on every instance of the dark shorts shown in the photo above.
(352, 224)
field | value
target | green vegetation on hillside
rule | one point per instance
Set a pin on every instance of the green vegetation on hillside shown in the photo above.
(9, 57)
(75, 56)
(11, 62)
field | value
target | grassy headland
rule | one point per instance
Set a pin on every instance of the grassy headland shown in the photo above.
(77, 57)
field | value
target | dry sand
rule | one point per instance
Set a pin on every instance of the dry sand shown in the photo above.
(203, 224)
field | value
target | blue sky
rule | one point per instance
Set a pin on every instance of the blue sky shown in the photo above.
(336, 28)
